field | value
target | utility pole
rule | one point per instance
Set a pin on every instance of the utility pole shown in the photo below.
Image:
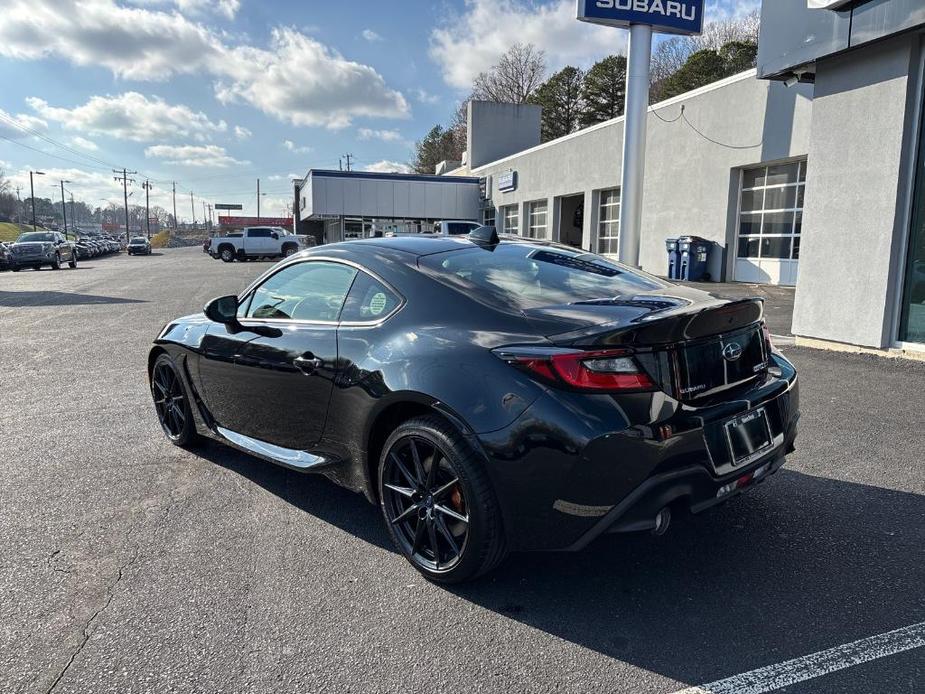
(64, 208)
(258, 201)
(125, 179)
(32, 194)
(192, 207)
(174, 205)
(348, 157)
(147, 186)
(73, 214)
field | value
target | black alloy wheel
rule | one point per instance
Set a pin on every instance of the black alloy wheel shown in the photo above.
(171, 403)
(56, 263)
(437, 502)
(72, 263)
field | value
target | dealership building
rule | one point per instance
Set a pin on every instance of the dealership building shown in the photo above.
(807, 171)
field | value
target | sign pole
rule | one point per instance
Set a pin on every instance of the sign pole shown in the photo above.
(634, 142)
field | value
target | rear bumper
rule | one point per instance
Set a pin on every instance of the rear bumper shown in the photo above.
(572, 468)
(693, 488)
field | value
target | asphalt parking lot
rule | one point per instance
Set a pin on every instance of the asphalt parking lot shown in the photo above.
(127, 565)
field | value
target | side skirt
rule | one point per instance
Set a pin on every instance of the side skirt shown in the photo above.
(287, 457)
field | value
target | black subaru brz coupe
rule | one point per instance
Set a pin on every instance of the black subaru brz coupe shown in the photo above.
(490, 395)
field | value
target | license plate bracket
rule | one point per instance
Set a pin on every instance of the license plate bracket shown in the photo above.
(748, 436)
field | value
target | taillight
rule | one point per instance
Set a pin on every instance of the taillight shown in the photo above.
(766, 331)
(601, 370)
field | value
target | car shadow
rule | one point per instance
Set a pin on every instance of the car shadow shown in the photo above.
(53, 298)
(799, 564)
(311, 493)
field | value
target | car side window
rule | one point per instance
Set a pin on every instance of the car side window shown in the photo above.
(368, 300)
(310, 291)
(258, 233)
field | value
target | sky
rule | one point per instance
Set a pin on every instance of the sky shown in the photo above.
(214, 94)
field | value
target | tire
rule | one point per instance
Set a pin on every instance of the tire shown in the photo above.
(226, 254)
(56, 263)
(72, 263)
(15, 269)
(464, 518)
(172, 403)
(290, 249)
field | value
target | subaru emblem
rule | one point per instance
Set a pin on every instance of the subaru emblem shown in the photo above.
(732, 351)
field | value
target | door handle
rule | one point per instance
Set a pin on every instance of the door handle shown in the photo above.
(307, 363)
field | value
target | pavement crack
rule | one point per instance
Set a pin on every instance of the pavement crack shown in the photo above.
(87, 629)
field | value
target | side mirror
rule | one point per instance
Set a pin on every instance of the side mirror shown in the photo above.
(275, 235)
(223, 309)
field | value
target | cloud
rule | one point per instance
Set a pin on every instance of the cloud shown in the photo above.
(291, 146)
(384, 135)
(84, 143)
(424, 97)
(386, 166)
(303, 82)
(12, 127)
(297, 79)
(192, 155)
(371, 35)
(225, 8)
(470, 43)
(131, 116)
(241, 132)
(92, 188)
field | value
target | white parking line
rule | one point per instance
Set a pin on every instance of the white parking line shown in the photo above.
(767, 679)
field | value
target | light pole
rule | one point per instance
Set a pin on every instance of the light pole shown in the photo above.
(32, 195)
(64, 207)
(147, 186)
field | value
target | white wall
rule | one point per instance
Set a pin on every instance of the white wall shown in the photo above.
(389, 196)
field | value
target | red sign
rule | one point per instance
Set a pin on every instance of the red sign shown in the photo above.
(226, 221)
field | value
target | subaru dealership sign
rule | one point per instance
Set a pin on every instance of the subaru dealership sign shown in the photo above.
(666, 16)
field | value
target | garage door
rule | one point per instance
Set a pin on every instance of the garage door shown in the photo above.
(770, 222)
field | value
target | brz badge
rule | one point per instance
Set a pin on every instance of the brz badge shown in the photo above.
(732, 351)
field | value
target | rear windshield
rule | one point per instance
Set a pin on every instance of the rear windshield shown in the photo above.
(530, 276)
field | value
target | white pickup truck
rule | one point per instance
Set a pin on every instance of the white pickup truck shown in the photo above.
(257, 242)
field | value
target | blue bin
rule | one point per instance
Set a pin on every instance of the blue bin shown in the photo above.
(674, 259)
(695, 255)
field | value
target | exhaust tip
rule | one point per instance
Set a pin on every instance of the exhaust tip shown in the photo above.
(662, 521)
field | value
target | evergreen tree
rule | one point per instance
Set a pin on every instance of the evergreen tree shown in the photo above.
(560, 97)
(603, 92)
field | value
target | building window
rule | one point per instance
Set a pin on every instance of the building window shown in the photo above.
(608, 228)
(771, 211)
(488, 216)
(536, 228)
(510, 215)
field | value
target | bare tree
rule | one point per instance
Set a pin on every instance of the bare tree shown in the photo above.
(515, 78)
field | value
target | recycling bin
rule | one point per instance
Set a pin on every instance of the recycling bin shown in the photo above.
(674, 259)
(694, 253)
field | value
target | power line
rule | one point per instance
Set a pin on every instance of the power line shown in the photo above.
(52, 141)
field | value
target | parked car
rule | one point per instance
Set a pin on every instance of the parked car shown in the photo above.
(488, 395)
(84, 251)
(256, 242)
(206, 245)
(36, 249)
(5, 254)
(139, 245)
(450, 227)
